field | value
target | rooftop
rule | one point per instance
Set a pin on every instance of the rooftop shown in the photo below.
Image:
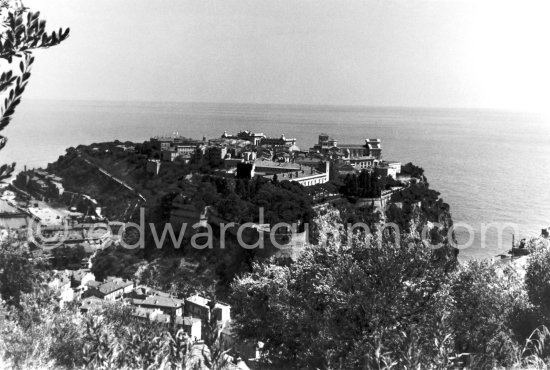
(113, 286)
(142, 289)
(271, 164)
(93, 283)
(199, 300)
(160, 301)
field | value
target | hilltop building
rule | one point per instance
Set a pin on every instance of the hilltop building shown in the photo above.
(253, 137)
(304, 175)
(327, 146)
(391, 169)
(279, 143)
(174, 146)
(374, 147)
(360, 156)
(248, 154)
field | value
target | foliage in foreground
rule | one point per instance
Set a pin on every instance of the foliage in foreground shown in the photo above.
(42, 335)
(382, 304)
(377, 305)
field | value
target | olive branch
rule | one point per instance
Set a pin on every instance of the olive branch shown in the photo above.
(22, 32)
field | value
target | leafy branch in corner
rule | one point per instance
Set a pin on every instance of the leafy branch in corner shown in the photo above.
(22, 32)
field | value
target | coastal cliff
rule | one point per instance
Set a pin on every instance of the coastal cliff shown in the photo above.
(180, 193)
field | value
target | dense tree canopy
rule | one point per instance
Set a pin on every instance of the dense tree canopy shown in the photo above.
(18, 273)
(337, 305)
(379, 304)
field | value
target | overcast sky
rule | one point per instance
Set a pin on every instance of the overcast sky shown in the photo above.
(426, 53)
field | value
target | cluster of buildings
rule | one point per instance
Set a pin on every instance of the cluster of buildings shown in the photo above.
(352, 158)
(249, 154)
(245, 154)
(147, 304)
(194, 314)
(176, 146)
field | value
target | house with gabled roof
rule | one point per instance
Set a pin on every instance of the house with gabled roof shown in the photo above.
(110, 290)
(168, 305)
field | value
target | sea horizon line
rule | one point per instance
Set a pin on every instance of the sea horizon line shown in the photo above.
(297, 105)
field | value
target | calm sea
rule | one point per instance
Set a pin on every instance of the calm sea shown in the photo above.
(490, 166)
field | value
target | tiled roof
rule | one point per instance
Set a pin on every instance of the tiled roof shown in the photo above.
(160, 301)
(271, 164)
(113, 286)
(93, 283)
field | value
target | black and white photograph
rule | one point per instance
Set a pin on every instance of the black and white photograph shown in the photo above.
(274, 184)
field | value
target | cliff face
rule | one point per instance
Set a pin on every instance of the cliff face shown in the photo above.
(329, 225)
(418, 212)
